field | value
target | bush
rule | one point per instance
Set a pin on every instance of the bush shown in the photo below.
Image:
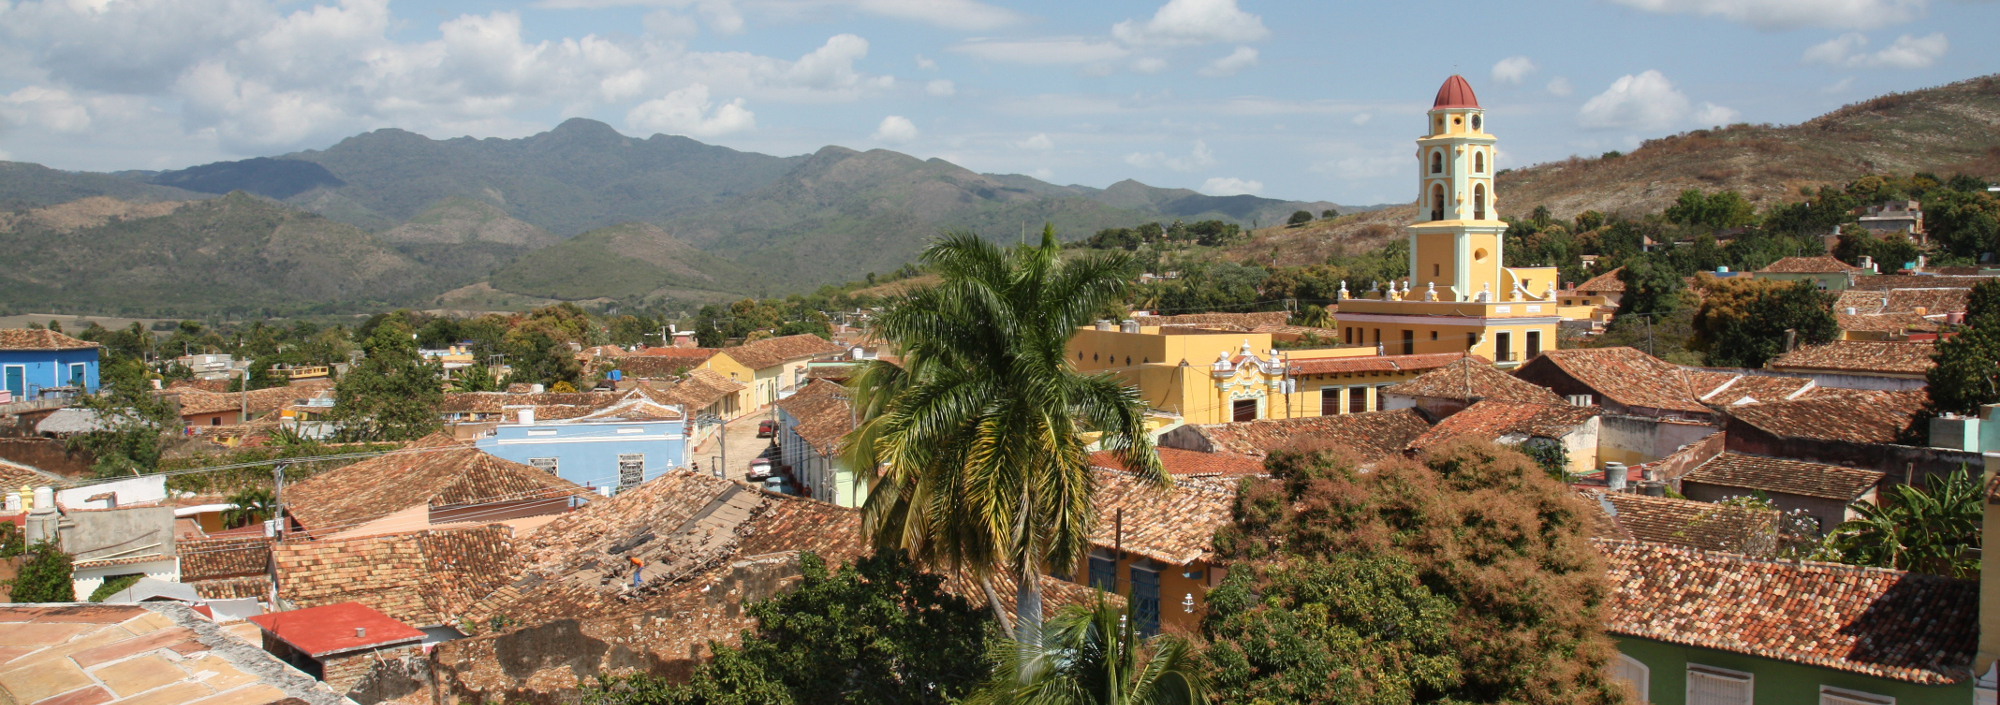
(45, 576)
(113, 585)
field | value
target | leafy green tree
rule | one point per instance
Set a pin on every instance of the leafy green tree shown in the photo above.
(113, 585)
(877, 631)
(1889, 253)
(1299, 218)
(1963, 224)
(44, 576)
(249, 506)
(1466, 576)
(1743, 322)
(12, 541)
(1717, 211)
(476, 377)
(1094, 656)
(539, 358)
(1934, 529)
(393, 394)
(1329, 214)
(133, 423)
(1649, 288)
(978, 436)
(1967, 373)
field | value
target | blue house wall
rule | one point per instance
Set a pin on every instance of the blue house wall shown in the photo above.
(27, 372)
(589, 453)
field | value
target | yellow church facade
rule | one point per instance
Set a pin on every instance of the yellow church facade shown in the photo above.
(1459, 296)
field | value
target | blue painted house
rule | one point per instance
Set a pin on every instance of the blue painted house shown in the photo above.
(619, 446)
(35, 360)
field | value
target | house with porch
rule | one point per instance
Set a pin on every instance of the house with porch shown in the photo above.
(36, 362)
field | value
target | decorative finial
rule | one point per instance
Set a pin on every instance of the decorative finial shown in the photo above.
(1431, 292)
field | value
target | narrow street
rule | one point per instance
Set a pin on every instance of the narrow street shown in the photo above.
(744, 445)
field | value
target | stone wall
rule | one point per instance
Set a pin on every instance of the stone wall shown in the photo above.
(1901, 463)
(47, 455)
(370, 677)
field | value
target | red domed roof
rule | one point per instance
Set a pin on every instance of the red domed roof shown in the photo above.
(1455, 93)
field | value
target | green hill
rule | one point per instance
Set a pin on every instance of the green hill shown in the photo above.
(626, 262)
(233, 253)
(26, 185)
(463, 240)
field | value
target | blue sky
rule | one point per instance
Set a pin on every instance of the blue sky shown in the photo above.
(1300, 100)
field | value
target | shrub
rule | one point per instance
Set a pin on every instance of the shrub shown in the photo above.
(45, 575)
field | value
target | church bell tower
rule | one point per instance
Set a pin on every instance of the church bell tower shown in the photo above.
(1456, 243)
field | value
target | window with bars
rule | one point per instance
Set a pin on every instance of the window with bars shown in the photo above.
(1829, 695)
(1635, 677)
(631, 469)
(1357, 399)
(1329, 401)
(1707, 685)
(548, 464)
(1104, 573)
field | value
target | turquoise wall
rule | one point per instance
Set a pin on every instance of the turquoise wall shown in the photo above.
(1776, 682)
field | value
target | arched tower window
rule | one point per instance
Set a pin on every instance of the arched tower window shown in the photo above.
(1478, 162)
(1437, 162)
(1437, 201)
(1479, 202)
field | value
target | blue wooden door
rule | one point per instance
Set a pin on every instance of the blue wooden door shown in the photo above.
(17, 381)
(1146, 600)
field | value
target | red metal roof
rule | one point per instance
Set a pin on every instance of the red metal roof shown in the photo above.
(1455, 93)
(329, 629)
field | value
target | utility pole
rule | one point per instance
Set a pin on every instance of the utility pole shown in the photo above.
(278, 516)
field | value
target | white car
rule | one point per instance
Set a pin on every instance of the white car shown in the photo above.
(760, 469)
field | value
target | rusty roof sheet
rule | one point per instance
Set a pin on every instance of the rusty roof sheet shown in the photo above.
(1375, 363)
(1685, 523)
(1854, 416)
(422, 578)
(1627, 376)
(1189, 463)
(1173, 524)
(1470, 379)
(771, 352)
(1607, 282)
(211, 559)
(1809, 265)
(434, 471)
(31, 339)
(1373, 435)
(1860, 357)
(1491, 420)
(1885, 623)
(1797, 477)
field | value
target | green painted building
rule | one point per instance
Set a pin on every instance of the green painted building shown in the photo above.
(1697, 627)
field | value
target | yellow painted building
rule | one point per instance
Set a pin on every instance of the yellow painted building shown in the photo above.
(1205, 376)
(1459, 297)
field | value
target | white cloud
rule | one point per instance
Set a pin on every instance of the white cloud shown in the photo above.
(1199, 158)
(1512, 69)
(1040, 143)
(1231, 186)
(1363, 118)
(1907, 52)
(1716, 115)
(1042, 173)
(926, 64)
(1647, 101)
(941, 88)
(689, 111)
(1149, 64)
(1840, 86)
(1050, 50)
(1242, 58)
(669, 24)
(52, 109)
(1561, 87)
(1183, 22)
(1792, 14)
(950, 14)
(895, 129)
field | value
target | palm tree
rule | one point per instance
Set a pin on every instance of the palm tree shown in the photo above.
(974, 450)
(1932, 530)
(249, 506)
(1094, 656)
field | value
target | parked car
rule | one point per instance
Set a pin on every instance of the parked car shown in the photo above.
(767, 429)
(760, 469)
(780, 484)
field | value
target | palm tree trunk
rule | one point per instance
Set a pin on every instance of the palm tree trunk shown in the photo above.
(1028, 606)
(993, 601)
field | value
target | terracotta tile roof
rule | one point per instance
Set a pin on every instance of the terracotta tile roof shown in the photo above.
(423, 578)
(697, 354)
(662, 366)
(1189, 463)
(14, 476)
(206, 385)
(1626, 376)
(1860, 357)
(1684, 523)
(30, 339)
(257, 586)
(771, 352)
(1372, 435)
(1324, 334)
(1233, 321)
(1375, 363)
(1809, 265)
(210, 559)
(1607, 282)
(340, 627)
(435, 471)
(824, 415)
(1602, 524)
(261, 401)
(1884, 623)
(700, 388)
(1916, 281)
(1886, 323)
(1856, 416)
(1495, 420)
(1797, 477)
(1174, 525)
(559, 404)
(1932, 301)
(1733, 389)
(1480, 378)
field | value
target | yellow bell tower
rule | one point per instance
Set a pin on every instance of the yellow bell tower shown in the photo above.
(1456, 243)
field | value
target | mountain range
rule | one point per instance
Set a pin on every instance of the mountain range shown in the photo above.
(582, 212)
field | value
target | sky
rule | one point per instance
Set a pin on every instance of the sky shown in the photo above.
(1296, 100)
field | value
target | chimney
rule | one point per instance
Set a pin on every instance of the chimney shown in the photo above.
(528, 417)
(360, 632)
(1614, 476)
(1128, 326)
(1850, 310)
(535, 388)
(1103, 324)
(1920, 263)
(1791, 339)
(1923, 310)
(156, 384)
(1867, 262)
